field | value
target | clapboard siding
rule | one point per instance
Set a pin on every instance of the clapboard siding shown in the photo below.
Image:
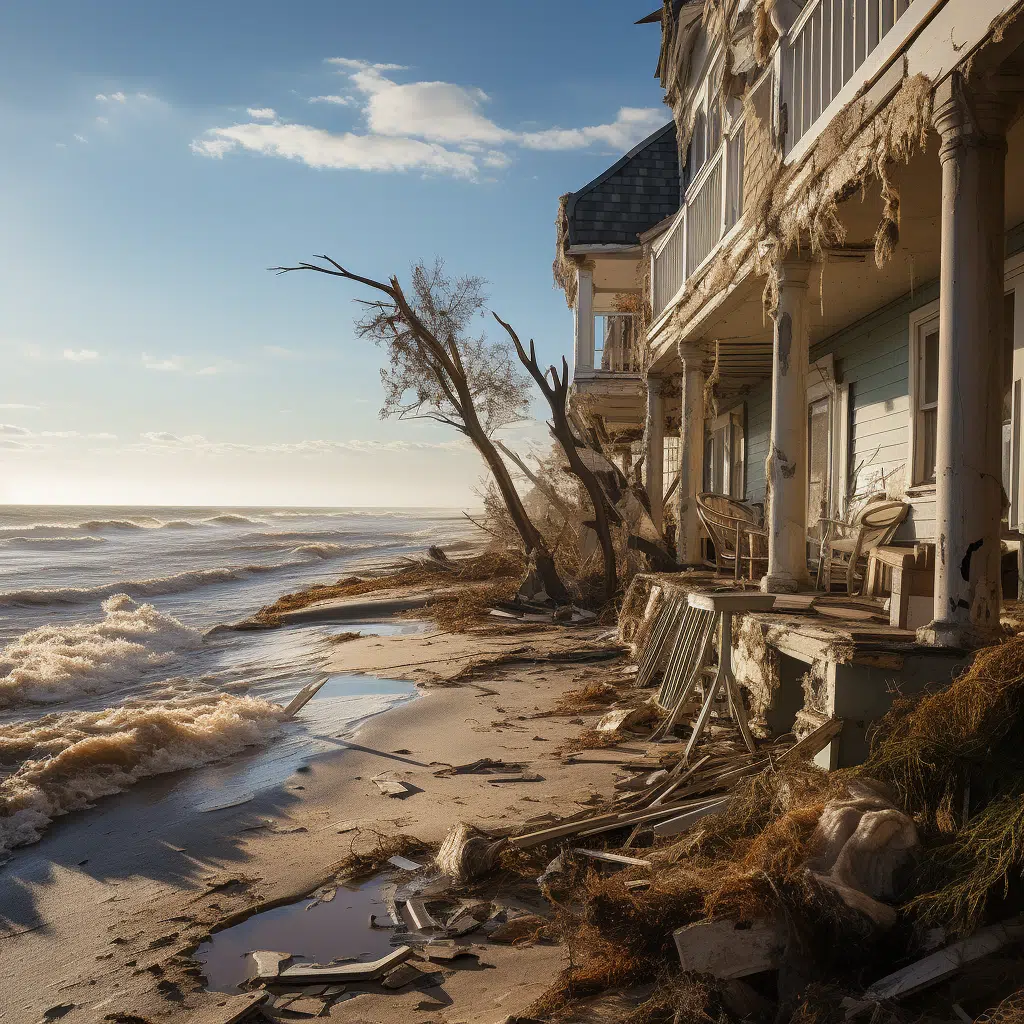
(872, 358)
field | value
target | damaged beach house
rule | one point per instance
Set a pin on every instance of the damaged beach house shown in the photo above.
(799, 321)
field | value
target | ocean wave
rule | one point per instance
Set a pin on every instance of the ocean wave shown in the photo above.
(56, 663)
(72, 760)
(49, 542)
(233, 519)
(155, 587)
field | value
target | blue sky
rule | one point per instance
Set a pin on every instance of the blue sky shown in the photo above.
(159, 156)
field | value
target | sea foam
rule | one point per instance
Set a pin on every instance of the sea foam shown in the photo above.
(56, 663)
(72, 760)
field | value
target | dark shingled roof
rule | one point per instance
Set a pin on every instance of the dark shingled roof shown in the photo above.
(633, 195)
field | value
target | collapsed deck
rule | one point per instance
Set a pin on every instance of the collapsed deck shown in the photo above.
(812, 658)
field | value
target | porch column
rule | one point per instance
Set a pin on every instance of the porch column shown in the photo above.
(968, 485)
(654, 469)
(786, 469)
(584, 313)
(691, 453)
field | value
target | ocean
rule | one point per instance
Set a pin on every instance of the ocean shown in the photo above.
(112, 669)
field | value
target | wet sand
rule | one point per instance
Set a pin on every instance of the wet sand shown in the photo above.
(100, 913)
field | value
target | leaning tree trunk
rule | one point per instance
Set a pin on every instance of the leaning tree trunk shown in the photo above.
(536, 550)
(557, 397)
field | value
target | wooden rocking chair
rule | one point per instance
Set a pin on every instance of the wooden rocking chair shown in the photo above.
(846, 546)
(736, 531)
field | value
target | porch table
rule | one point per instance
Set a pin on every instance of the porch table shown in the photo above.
(725, 605)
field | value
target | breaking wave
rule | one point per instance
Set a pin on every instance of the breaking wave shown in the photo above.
(233, 519)
(159, 585)
(49, 542)
(57, 663)
(72, 760)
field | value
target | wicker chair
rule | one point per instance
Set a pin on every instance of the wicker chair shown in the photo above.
(736, 531)
(845, 546)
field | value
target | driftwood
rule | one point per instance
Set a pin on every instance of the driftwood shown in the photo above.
(944, 963)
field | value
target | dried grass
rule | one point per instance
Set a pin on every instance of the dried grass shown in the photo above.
(589, 698)
(592, 739)
(931, 749)
(369, 851)
(490, 566)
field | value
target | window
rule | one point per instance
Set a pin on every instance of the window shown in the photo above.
(924, 394)
(698, 144)
(924, 368)
(724, 455)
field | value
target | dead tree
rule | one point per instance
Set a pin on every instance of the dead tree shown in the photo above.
(438, 371)
(557, 395)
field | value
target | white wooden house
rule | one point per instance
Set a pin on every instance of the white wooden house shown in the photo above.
(833, 270)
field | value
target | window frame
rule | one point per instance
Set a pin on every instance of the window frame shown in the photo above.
(921, 320)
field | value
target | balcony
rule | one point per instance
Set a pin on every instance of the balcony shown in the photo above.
(615, 347)
(830, 43)
(833, 50)
(711, 208)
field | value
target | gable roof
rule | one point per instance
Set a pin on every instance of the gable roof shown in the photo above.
(632, 195)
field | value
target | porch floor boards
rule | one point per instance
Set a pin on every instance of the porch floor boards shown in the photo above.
(812, 625)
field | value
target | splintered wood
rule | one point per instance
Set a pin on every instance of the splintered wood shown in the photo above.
(671, 795)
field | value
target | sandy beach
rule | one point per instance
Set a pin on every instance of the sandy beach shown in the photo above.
(106, 926)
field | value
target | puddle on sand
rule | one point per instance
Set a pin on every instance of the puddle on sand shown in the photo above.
(338, 929)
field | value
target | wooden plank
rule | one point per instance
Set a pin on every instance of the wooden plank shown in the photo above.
(945, 962)
(613, 858)
(728, 950)
(674, 826)
(813, 743)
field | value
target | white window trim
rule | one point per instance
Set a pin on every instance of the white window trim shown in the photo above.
(821, 383)
(920, 318)
(725, 420)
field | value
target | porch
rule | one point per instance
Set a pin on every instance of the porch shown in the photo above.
(810, 659)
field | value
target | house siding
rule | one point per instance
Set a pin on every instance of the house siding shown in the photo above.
(870, 356)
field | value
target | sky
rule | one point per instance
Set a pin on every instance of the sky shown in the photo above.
(159, 156)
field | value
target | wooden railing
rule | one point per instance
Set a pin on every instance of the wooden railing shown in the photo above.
(615, 343)
(712, 207)
(828, 43)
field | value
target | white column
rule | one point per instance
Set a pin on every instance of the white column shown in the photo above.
(584, 318)
(654, 470)
(691, 453)
(786, 467)
(968, 500)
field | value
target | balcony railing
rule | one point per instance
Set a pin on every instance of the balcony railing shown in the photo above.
(712, 207)
(615, 343)
(828, 43)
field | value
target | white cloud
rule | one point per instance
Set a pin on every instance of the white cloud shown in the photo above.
(631, 125)
(16, 446)
(81, 355)
(103, 120)
(162, 436)
(318, 148)
(17, 405)
(113, 97)
(80, 138)
(275, 350)
(171, 365)
(338, 101)
(12, 431)
(434, 126)
(262, 113)
(209, 371)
